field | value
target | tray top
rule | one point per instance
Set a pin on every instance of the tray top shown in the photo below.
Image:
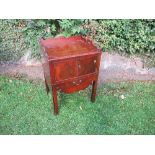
(68, 47)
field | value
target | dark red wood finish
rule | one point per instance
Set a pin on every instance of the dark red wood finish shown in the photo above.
(70, 64)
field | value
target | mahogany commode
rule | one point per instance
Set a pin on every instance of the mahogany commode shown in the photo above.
(70, 64)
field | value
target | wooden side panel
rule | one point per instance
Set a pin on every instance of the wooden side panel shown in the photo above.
(46, 68)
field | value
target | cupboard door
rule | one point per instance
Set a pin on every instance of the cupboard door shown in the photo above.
(65, 70)
(87, 65)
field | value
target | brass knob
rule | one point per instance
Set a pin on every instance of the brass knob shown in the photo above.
(94, 61)
(79, 66)
(74, 82)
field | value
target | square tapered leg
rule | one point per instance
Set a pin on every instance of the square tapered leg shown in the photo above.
(94, 87)
(55, 100)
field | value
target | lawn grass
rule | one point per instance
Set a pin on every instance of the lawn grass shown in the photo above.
(25, 108)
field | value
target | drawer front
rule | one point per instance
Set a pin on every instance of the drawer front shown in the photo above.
(65, 70)
(76, 84)
(87, 65)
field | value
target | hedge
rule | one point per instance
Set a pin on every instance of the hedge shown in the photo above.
(131, 36)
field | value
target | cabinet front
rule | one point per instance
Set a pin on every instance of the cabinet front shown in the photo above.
(87, 65)
(65, 70)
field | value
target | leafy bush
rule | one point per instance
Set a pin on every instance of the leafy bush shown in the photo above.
(16, 36)
(131, 36)
(36, 29)
(72, 27)
(12, 41)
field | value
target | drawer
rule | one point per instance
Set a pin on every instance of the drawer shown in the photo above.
(65, 70)
(87, 65)
(76, 84)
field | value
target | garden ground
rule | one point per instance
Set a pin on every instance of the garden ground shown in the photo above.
(124, 108)
(114, 68)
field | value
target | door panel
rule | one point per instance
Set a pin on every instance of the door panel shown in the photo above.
(87, 65)
(65, 70)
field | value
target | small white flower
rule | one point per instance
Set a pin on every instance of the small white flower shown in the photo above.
(122, 97)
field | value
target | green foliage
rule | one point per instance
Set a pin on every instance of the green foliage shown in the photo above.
(16, 36)
(72, 27)
(12, 41)
(27, 109)
(35, 30)
(131, 36)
